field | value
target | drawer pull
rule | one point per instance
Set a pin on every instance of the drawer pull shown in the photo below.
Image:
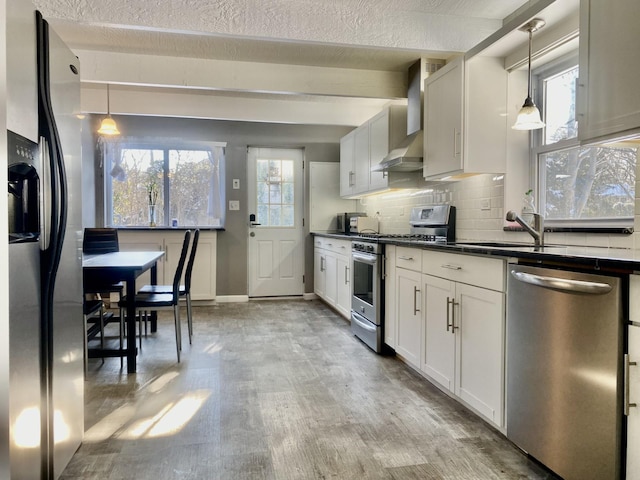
(410, 259)
(451, 267)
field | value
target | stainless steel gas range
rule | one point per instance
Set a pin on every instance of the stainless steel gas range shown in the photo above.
(433, 223)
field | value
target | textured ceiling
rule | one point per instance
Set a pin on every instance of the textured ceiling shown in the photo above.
(383, 35)
(316, 30)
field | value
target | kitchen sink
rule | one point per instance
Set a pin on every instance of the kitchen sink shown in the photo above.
(493, 244)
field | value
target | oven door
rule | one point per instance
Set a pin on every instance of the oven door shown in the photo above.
(366, 274)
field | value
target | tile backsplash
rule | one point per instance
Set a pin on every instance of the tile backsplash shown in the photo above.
(480, 209)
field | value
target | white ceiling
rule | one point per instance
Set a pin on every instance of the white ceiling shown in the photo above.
(331, 52)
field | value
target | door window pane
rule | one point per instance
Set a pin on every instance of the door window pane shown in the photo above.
(275, 193)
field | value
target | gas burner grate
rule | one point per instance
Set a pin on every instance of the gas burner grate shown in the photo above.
(419, 237)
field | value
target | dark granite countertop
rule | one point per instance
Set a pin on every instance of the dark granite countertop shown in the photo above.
(622, 260)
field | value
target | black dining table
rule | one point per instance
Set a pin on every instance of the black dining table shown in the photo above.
(123, 267)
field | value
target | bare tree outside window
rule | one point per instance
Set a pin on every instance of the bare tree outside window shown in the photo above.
(579, 183)
(187, 184)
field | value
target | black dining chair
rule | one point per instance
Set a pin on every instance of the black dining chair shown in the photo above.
(97, 241)
(145, 302)
(93, 312)
(185, 289)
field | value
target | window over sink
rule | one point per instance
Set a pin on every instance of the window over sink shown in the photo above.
(164, 183)
(578, 186)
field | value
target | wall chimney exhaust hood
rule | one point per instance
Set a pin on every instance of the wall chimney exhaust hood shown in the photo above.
(406, 157)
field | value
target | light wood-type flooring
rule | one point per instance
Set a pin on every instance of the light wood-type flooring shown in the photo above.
(279, 390)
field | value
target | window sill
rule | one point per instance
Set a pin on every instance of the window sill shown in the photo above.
(604, 230)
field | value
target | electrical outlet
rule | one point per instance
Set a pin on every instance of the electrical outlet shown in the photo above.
(485, 204)
(234, 204)
(236, 183)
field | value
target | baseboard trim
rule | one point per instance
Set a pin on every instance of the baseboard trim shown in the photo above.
(232, 298)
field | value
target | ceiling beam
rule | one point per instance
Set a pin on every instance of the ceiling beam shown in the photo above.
(126, 100)
(165, 71)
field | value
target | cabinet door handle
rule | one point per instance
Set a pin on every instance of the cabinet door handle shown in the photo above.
(415, 300)
(451, 267)
(166, 254)
(456, 136)
(627, 403)
(322, 264)
(454, 304)
(346, 275)
(351, 182)
(449, 323)
(384, 267)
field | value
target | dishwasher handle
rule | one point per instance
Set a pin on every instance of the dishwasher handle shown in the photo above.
(563, 284)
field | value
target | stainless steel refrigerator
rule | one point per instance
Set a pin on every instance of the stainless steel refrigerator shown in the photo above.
(46, 384)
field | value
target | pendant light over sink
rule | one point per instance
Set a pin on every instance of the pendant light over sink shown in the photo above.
(108, 126)
(529, 115)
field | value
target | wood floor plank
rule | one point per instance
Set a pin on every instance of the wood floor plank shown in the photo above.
(279, 390)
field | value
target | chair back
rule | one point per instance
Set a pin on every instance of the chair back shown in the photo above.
(192, 258)
(100, 240)
(183, 258)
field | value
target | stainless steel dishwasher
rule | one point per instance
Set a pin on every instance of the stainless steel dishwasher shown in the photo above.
(564, 370)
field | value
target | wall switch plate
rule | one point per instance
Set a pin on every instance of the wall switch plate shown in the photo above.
(234, 204)
(485, 204)
(236, 183)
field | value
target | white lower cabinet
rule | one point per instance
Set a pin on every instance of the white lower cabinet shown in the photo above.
(203, 282)
(332, 273)
(633, 419)
(632, 370)
(450, 324)
(390, 296)
(343, 294)
(409, 315)
(438, 359)
(463, 343)
(319, 275)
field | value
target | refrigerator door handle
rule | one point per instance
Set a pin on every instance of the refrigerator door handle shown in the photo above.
(56, 187)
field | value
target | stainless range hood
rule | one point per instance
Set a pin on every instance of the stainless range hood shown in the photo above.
(407, 157)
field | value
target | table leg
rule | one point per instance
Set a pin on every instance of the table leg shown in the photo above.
(131, 324)
(154, 281)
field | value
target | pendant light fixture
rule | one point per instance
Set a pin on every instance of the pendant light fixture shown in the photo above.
(108, 125)
(529, 115)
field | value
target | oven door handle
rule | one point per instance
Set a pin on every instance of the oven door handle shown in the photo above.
(366, 325)
(364, 258)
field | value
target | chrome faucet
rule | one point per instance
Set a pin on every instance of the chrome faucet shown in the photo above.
(537, 231)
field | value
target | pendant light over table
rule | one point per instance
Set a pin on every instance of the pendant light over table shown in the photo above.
(108, 125)
(529, 115)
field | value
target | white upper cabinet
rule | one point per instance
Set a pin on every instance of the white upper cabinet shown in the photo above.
(609, 99)
(347, 164)
(366, 146)
(465, 118)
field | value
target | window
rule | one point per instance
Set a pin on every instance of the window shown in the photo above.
(274, 193)
(578, 186)
(157, 184)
